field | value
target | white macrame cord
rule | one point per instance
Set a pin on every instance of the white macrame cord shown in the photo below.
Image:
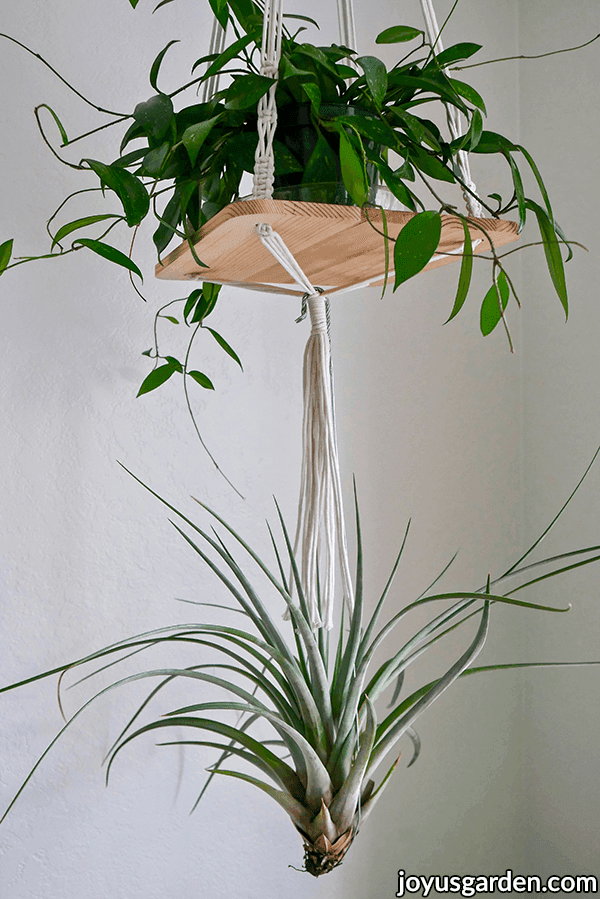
(320, 533)
(264, 163)
(474, 207)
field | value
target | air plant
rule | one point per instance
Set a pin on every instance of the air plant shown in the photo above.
(322, 709)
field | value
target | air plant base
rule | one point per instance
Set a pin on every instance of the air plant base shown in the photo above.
(322, 708)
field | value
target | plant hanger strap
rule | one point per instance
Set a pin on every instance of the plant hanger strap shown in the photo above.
(216, 47)
(264, 163)
(320, 529)
(474, 207)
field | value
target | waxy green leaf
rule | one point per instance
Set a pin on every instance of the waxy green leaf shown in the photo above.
(154, 70)
(494, 304)
(110, 253)
(247, 90)
(416, 244)
(466, 269)
(376, 77)
(80, 223)
(397, 34)
(59, 124)
(552, 251)
(5, 254)
(154, 116)
(194, 136)
(353, 171)
(201, 379)
(129, 189)
(456, 53)
(156, 377)
(224, 345)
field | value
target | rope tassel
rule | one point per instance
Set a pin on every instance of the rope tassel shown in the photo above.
(320, 533)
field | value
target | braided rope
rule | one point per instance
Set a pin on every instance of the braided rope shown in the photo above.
(264, 163)
(474, 207)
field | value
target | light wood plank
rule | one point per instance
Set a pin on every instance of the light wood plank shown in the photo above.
(338, 247)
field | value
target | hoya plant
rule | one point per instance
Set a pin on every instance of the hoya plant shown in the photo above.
(343, 119)
(334, 748)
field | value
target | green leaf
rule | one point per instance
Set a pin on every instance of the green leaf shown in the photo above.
(491, 142)
(313, 92)
(322, 163)
(129, 189)
(397, 34)
(466, 269)
(519, 192)
(157, 63)
(375, 129)
(469, 93)
(206, 303)
(552, 250)
(416, 244)
(430, 165)
(63, 133)
(376, 77)
(220, 11)
(541, 185)
(191, 302)
(134, 131)
(174, 362)
(156, 377)
(247, 90)
(155, 115)
(396, 186)
(494, 304)
(472, 136)
(201, 379)
(154, 159)
(226, 56)
(5, 254)
(80, 223)
(416, 129)
(171, 318)
(110, 253)
(353, 171)
(456, 53)
(223, 343)
(194, 136)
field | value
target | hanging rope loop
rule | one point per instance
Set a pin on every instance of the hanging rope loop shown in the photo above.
(462, 167)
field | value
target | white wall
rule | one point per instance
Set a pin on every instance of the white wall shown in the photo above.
(436, 423)
(559, 122)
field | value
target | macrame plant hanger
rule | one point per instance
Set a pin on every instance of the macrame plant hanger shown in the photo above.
(231, 249)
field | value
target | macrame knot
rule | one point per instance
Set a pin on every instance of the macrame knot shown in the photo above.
(318, 313)
(269, 68)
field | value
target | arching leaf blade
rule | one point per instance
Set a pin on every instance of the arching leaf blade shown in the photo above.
(416, 244)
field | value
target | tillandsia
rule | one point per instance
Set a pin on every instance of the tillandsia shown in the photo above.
(180, 163)
(321, 707)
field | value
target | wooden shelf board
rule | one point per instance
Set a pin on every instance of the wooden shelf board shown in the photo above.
(336, 246)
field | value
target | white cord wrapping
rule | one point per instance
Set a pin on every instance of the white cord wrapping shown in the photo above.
(320, 531)
(474, 207)
(264, 164)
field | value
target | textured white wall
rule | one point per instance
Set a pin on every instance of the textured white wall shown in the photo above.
(561, 430)
(429, 421)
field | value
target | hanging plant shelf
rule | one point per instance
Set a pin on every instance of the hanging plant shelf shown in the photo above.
(336, 246)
